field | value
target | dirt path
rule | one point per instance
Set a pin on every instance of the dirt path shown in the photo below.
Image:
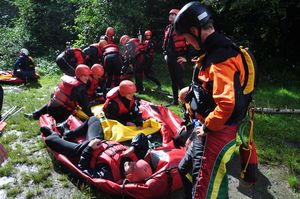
(272, 183)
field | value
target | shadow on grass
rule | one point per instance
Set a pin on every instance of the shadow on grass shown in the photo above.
(259, 190)
(29, 85)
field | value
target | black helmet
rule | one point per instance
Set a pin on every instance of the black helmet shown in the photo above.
(192, 14)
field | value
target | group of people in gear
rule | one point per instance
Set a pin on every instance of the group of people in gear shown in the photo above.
(137, 59)
(214, 103)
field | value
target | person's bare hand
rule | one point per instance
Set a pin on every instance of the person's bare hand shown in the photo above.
(126, 153)
(95, 144)
(187, 144)
(200, 132)
(130, 124)
(166, 57)
(181, 60)
(139, 127)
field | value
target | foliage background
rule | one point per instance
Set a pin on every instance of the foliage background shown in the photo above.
(46, 28)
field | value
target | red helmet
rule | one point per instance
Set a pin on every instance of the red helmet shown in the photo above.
(102, 43)
(127, 87)
(82, 69)
(124, 39)
(141, 171)
(174, 11)
(97, 69)
(110, 31)
(148, 33)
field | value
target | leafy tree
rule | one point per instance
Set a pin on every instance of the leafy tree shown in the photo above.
(45, 22)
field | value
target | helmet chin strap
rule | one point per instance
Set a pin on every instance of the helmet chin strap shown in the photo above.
(198, 38)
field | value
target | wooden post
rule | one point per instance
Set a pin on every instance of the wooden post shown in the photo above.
(276, 110)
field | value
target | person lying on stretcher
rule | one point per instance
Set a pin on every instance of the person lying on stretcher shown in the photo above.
(99, 158)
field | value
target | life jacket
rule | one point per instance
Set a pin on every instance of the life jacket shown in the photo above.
(99, 50)
(92, 87)
(27, 63)
(134, 47)
(110, 49)
(179, 40)
(75, 56)
(109, 40)
(62, 95)
(250, 67)
(113, 94)
(109, 153)
(149, 46)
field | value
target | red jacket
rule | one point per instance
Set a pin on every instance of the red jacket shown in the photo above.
(110, 49)
(62, 95)
(113, 94)
(179, 40)
(94, 84)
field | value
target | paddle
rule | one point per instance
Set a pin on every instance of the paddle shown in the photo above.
(11, 112)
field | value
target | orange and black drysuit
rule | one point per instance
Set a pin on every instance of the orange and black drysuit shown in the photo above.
(68, 60)
(174, 46)
(113, 63)
(93, 54)
(222, 105)
(121, 109)
(134, 55)
(150, 46)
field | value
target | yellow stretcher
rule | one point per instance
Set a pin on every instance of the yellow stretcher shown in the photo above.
(114, 130)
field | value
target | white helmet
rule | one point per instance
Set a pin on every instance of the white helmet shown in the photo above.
(24, 51)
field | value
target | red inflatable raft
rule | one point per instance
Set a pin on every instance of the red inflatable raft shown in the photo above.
(7, 77)
(164, 160)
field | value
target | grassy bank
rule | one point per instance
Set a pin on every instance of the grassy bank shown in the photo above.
(277, 136)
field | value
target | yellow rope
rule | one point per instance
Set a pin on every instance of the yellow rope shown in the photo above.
(249, 147)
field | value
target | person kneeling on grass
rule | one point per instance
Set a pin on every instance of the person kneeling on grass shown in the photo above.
(71, 92)
(97, 160)
(122, 105)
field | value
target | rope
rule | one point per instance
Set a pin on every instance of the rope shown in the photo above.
(123, 186)
(247, 146)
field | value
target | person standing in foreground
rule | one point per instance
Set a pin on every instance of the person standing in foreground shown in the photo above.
(175, 50)
(222, 77)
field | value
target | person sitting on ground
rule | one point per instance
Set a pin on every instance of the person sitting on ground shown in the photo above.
(68, 60)
(71, 92)
(93, 163)
(24, 67)
(93, 84)
(122, 105)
